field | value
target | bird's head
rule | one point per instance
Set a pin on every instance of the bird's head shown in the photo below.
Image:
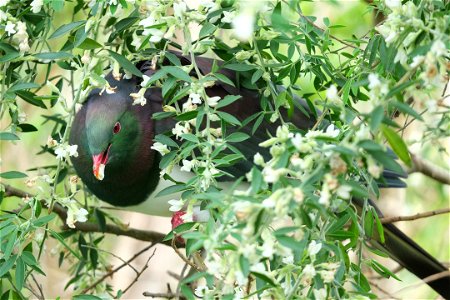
(114, 130)
(112, 134)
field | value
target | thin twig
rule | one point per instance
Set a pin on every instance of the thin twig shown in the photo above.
(174, 275)
(184, 258)
(430, 170)
(375, 285)
(118, 268)
(160, 295)
(428, 279)
(145, 267)
(42, 297)
(112, 254)
(427, 214)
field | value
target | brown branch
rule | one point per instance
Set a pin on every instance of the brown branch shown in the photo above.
(143, 235)
(428, 279)
(139, 273)
(161, 295)
(416, 216)
(184, 258)
(430, 170)
(110, 273)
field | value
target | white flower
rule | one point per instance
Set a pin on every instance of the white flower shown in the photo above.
(195, 98)
(147, 22)
(176, 205)
(314, 248)
(138, 98)
(3, 3)
(393, 4)
(401, 56)
(417, 60)
(332, 131)
(243, 25)
(374, 81)
(187, 165)
(180, 129)
(332, 94)
(161, 148)
(9, 28)
(308, 272)
(327, 275)
(258, 159)
(320, 294)
(212, 101)
(343, 191)
(438, 48)
(63, 151)
(36, 6)
(179, 9)
(75, 214)
(145, 80)
(228, 16)
(288, 260)
(156, 34)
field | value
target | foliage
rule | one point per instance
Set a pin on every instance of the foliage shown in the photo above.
(293, 228)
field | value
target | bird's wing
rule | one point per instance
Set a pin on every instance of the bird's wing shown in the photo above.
(401, 248)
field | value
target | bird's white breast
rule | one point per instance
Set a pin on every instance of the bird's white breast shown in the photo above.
(159, 206)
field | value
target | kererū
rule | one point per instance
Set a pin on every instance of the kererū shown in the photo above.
(117, 164)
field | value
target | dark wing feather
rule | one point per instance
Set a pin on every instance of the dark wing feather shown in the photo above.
(402, 248)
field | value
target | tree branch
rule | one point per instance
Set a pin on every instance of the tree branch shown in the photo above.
(139, 273)
(143, 235)
(161, 295)
(119, 267)
(430, 170)
(416, 216)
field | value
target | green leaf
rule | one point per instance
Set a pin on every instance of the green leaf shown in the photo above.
(66, 28)
(406, 109)
(8, 136)
(179, 229)
(190, 137)
(9, 56)
(44, 220)
(13, 175)
(23, 86)
(25, 127)
(239, 67)
(177, 72)
(101, 220)
(20, 273)
(171, 190)
(376, 117)
(125, 63)
(61, 240)
(28, 258)
(164, 139)
(224, 79)
(53, 55)
(236, 137)
(228, 118)
(227, 100)
(6, 266)
(397, 144)
(89, 44)
(257, 75)
(207, 29)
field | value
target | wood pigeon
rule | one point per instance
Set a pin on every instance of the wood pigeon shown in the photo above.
(117, 164)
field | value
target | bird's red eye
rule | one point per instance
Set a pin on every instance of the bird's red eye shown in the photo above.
(116, 128)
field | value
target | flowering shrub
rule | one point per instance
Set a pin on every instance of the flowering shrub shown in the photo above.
(290, 232)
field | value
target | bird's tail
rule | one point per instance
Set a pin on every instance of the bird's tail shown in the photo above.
(414, 258)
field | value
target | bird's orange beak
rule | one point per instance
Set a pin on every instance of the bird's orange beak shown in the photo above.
(99, 163)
